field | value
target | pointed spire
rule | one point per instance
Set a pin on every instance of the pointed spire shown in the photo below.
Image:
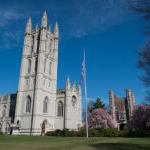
(74, 85)
(79, 88)
(133, 98)
(128, 92)
(68, 83)
(56, 30)
(44, 20)
(28, 26)
(36, 27)
(49, 29)
(111, 93)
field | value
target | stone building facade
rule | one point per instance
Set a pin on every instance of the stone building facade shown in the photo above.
(7, 112)
(121, 109)
(40, 107)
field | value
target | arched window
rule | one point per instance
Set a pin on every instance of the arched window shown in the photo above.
(44, 65)
(28, 104)
(4, 111)
(60, 109)
(51, 46)
(74, 100)
(7, 129)
(45, 105)
(50, 68)
(29, 65)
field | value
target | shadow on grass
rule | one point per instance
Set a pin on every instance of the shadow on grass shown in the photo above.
(120, 146)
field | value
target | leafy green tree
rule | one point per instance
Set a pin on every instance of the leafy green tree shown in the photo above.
(98, 103)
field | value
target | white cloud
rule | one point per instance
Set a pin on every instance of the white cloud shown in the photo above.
(96, 15)
(76, 18)
(8, 15)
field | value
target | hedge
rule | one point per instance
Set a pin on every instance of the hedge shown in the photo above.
(92, 133)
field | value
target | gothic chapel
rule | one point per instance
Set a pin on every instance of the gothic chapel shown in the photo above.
(39, 106)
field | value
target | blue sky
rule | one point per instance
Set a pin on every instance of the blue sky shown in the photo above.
(107, 29)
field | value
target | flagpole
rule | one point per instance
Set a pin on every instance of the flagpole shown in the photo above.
(86, 100)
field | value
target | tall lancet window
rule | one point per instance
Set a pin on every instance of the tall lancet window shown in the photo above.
(29, 65)
(60, 109)
(50, 68)
(51, 46)
(45, 105)
(28, 104)
(4, 111)
(44, 65)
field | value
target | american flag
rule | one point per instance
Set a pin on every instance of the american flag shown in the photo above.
(83, 68)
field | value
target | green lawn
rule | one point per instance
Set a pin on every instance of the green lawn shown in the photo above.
(72, 143)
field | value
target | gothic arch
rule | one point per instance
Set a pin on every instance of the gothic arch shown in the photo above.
(4, 111)
(74, 100)
(8, 128)
(28, 104)
(44, 126)
(60, 109)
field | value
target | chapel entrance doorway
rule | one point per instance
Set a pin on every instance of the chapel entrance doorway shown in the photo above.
(44, 127)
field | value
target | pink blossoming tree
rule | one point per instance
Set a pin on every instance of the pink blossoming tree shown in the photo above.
(100, 118)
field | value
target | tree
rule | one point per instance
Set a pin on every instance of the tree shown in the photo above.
(96, 104)
(144, 64)
(100, 118)
(141, 118)
(143, 8)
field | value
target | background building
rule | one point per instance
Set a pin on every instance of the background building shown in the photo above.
(121, 109)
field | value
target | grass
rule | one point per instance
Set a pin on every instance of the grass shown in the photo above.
(72, 143)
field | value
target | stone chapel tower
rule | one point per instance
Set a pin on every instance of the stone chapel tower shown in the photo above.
(112, 107)
(35, 108)
(129, 103)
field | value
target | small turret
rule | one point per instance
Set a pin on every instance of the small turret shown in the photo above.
(49, 29)
(44, 20)
(28, 26)
(79, 89)
(111, 93)
(128, 92)
(130, 102)
(111, 100)
(68, 84)
(56, 30)
(133, 98)
(74, 86)
(112, 106)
